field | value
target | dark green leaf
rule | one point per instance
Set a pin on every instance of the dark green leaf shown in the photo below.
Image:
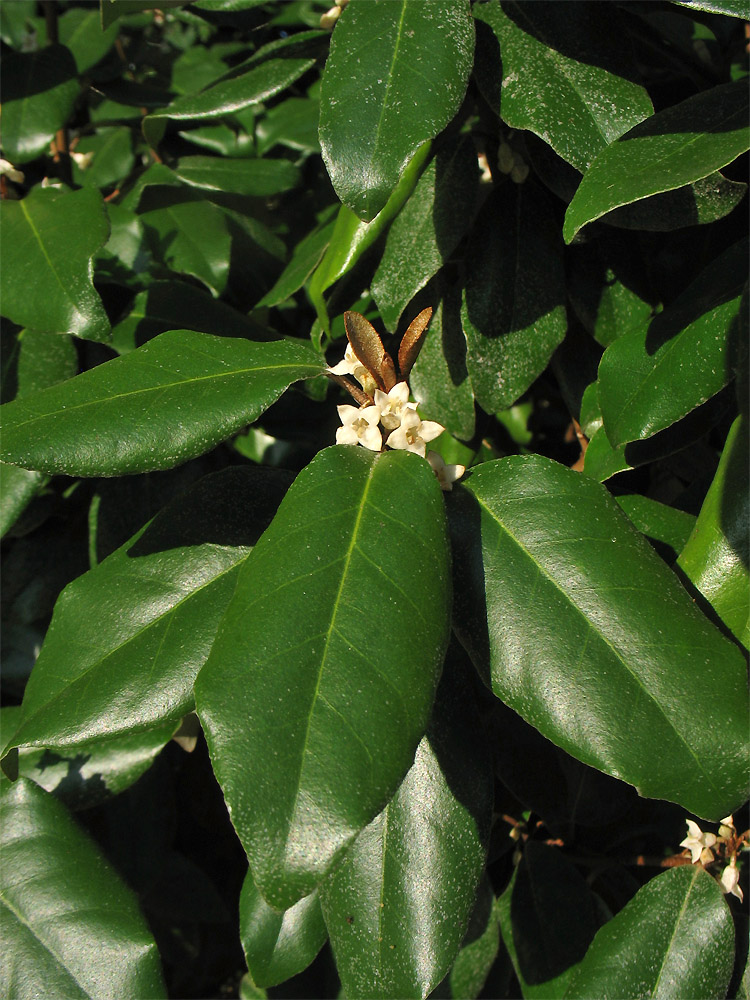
(279, 945)
(111, 10)
(427, 230)
(561, 71)
(39, 90)
(293, 123)
(258, 178)
(48, 240)
(674, 147)
(101, 422)
(305, 258)
(112, 157)
(346, 597)
(114, 673)
(398, 906)
(582, 630)
(657, 521)
(81, 31)
(71, 928)
(18, 487)
(514, 305)
(707, 200)
(655, 375)
(674, 939)
(396, 75)
(733, 8)
(479, 948)
(717, 554)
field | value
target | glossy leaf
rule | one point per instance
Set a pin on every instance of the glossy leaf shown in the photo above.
(81, 32)
(580, 628)
(674, 939)
(659, 522)
(279, 945)
(479, 948)
(320, 682)
(671, 148)
(395, 76)
(116, 673)
(733, 8)
(427, 230)
(716, 557)
(293, 124)
(251, 83)
(18, 487)
(257, 178)
(39, 90)
(112, 157)
(562, 72)
(68, 923)
(305, 258)
(100, 423)
(48, 240)
(111, 10)
(650, 378)
(398, 906)
(707, 200)
(514, 306)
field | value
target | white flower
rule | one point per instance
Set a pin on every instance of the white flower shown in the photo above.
(351, 365)
(699, 844)
(393, 405)
(446, 474)
(360, 427)
(330, 17)
(727, 830)
(729, 879)
(8, 170)
(413, 433)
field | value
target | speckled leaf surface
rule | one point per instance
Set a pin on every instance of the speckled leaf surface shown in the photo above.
(579, 627)
(395, 76)
(320, 683)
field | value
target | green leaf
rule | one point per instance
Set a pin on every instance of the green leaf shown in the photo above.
(658, 522)
(479, 948)
(113, 673)
(18, 487)
(278, 945)
(396, 75)
(650, 378)
(514, 306)
(49, 238)
(101, 422)
(112, 157)
(70, 926)
(306, 256)
(439, 379)
(111, 10)
(579, 627)
(398, 906)
(39, 91)
(707, 200)
(562, 72)
(257, 178)
(547, 920)
(674, 939)
(255, 81)
(732, 8)
(293, 124)
(346, 597)
(428, 229)
(81, 31)
(677, 146)
(717, 554)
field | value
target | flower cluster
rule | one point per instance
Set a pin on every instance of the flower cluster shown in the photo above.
(704, 846)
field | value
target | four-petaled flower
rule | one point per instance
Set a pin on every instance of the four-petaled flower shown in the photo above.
(351, 365)
(393, 405)
(360, 426)
(699, 844)
(729, 879)
(446, 474)
(413, 433)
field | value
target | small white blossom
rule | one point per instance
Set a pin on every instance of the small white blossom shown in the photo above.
(699, 844)
(413, 433)
(726, 829)
(351, 365)
(729, 879)
(393, 405)
(330, 17)
(82, 160)
(360, 427)
(446, 474)
(8, 170)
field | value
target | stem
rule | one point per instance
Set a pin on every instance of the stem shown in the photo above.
(354, 390)
(61, 154)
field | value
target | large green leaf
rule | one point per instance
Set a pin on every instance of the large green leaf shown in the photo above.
(81, 31)
(266, 73)
(427, 230)
(70, 927)
(39, 90)
(172, 399)
(320, 682)
(48, 240)
(674, 147)
(673, 940)
(580, 628)
(305, 257)
(116, 672)
(258, 178)
(653, 376)
(398, 906)
(396, 75)
(717, 554)
(279, 945)
(561, 71)
(514, 306)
